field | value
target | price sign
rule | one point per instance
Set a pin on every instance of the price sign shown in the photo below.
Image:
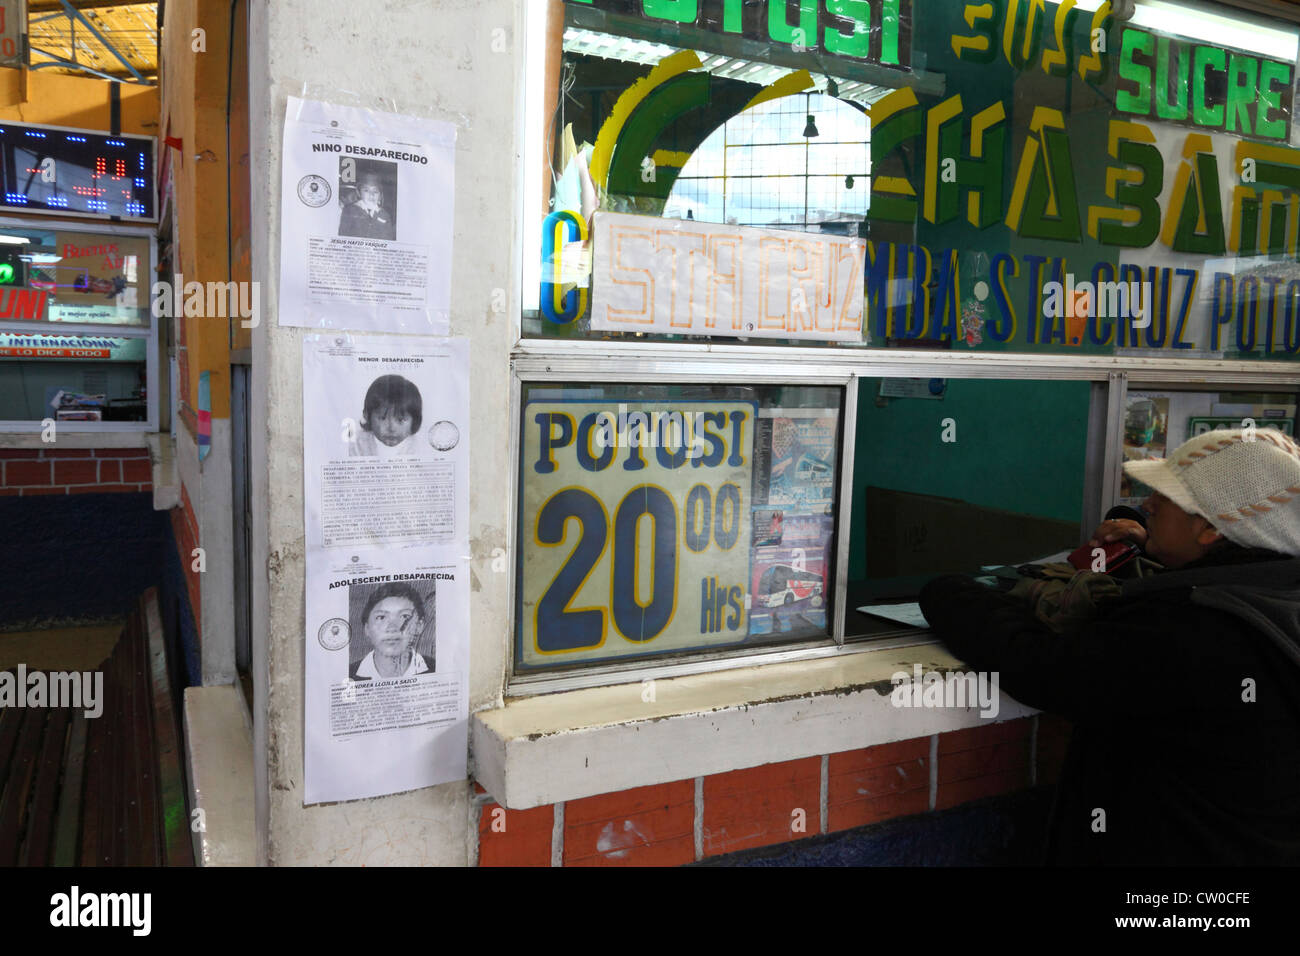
(634, 528)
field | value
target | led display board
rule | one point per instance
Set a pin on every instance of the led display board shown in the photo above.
(77, 172)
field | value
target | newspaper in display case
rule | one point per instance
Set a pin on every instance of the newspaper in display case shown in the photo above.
(385, 457)
(366, 202)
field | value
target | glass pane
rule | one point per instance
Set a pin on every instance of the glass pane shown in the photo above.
(1142, 200)
(667, 519)
(839, 159)
(58, 275)
(1157, 422)
(637, 136)
(71, 389)
(958, 474)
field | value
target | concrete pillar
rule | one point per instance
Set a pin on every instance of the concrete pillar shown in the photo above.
(458, 60)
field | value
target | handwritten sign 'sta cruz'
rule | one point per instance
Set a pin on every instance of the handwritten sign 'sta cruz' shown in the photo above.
(694, 278)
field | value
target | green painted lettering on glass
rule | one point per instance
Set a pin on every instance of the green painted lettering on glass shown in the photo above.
(1249, 224)
(1135, 41)
(856, 42)
(1284, 174)
(1274, 80)
(1243, 73)
(1203, 184)
(732, 16)
(1052, 178)
(679, 11)
(891, 127)
(979, 178)
(780, 30)
(1171, 73)
(889, 25)
(1203, 114)
(1143, 196)
(983, 46)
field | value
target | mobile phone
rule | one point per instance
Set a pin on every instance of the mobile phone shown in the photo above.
(1117, 554)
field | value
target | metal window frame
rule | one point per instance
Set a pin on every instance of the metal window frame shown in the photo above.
(624, 365)
(598, 362)
(149, 332)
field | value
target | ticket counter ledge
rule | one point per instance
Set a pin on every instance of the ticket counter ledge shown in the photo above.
(219, 750)
(564, 746)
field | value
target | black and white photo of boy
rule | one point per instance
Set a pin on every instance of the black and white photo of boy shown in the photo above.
(368, 195)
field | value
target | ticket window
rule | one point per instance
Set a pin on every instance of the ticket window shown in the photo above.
(952, 475)
(666, 521)
(76, 329)
(68, 390)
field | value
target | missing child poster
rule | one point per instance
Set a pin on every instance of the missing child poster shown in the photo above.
(366, 219)
(386, 505)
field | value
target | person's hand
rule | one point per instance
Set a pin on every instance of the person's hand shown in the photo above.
(1118, 529)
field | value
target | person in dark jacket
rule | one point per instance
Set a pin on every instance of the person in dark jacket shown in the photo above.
(1184, 691)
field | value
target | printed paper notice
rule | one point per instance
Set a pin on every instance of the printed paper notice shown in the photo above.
(385, 464)
(366, 219)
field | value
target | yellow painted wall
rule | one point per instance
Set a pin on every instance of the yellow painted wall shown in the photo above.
(58, 99)
(194, 110)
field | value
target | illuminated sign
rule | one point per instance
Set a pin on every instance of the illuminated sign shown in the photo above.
(865, 31)
(73, 172)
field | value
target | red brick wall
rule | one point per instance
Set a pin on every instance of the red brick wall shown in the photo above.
(70, 471)
(185, 529)
(759, 806)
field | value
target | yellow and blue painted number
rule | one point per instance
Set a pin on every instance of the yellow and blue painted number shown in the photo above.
(560, 627)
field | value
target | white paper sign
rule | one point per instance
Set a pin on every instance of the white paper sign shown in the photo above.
(696, 278)
(366, 219)
(386, 507)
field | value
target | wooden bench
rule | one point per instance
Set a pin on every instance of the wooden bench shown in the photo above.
(103, 791)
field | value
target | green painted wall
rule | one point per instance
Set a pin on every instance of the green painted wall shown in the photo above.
(1020, 446)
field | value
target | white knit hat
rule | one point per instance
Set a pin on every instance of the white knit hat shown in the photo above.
(1248, 489)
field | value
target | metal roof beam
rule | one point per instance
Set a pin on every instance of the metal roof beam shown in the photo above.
(81, 67)
(75, 15)
(45, 6)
